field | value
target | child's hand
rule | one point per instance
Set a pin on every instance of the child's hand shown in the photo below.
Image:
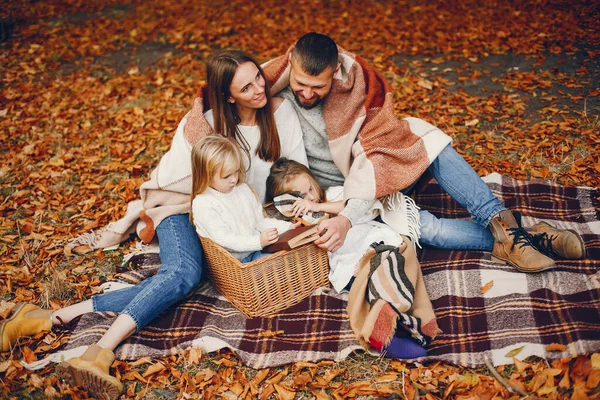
(268, 237)
(295, 225)
(302, 206)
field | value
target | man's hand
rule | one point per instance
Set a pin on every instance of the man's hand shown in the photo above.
(336, 230)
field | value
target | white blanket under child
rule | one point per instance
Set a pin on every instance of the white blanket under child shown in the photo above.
(343, 263)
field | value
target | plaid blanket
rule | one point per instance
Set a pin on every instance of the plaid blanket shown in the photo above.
(528, 311)
(522, 313)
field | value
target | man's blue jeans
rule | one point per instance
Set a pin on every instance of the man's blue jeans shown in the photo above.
(463, 184)
(180, 272)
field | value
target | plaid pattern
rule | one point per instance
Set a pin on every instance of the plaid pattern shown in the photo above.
(318, 328)
(561, 305)
(377, 153)
(531, 310)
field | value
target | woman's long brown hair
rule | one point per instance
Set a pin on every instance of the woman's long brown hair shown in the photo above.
(220, 72)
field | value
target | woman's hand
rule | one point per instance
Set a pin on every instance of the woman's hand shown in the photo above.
(302, 206)
(268, 237)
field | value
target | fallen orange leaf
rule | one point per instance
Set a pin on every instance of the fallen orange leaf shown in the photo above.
(153, 369)
(29, 355)
(284, 393)
(593, 380)
(565, 382)
(520, 365)
(487, 287)
(260, 376)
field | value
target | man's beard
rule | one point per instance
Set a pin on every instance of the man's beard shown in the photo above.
(307, 106)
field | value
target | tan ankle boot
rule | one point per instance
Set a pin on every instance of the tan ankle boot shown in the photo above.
(26, 320)
(564, 243)
(511, 244)
(91, 372)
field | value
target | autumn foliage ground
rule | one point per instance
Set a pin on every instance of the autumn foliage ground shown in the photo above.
(91, 93)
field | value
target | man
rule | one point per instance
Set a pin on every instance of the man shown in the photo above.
(353, 138)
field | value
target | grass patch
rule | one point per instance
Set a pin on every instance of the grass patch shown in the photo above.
(108, 266)
(57, 287)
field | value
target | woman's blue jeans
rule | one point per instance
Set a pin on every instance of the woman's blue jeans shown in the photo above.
(462, 183)
(180, 272)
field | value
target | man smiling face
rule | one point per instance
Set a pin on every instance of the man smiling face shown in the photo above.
(308, 89)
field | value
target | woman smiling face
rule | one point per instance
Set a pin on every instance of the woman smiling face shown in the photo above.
(248, 87)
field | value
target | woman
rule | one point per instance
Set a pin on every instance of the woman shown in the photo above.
(265, 129)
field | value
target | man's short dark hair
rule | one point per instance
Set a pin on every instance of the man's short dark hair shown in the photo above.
(315, 52)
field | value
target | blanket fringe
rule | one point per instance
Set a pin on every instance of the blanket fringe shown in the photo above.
(85, 239)
(141, 248)
(399, 202)
(55, 358)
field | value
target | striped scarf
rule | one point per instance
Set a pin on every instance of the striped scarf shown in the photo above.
(388, 297)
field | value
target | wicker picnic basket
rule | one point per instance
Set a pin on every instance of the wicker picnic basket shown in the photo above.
(270, 284)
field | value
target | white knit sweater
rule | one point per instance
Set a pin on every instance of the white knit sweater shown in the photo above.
(290, 138)
(233, 220)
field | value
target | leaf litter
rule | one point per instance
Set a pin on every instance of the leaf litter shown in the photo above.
(93, 91)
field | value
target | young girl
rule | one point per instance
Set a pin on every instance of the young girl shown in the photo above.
(291, 176)
(224, 208)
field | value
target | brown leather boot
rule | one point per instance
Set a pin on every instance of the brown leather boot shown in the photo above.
(511, 244)
(91, 372)
(564, 243)
(26, 320)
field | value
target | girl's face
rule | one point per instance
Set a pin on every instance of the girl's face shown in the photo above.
(248, 87)
(301, 183)
(225, 180)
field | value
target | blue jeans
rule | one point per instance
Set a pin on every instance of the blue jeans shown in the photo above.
(180, 272)
(256, 255)
(462, 183)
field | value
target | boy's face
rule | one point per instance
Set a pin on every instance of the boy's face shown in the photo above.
(309, 90)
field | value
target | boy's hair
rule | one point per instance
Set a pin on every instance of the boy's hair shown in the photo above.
(219, 74)
(282, 172)
(315, 52)
(213, 155)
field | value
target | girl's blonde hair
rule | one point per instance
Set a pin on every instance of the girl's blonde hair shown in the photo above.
(282, 173)
(211, 155)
